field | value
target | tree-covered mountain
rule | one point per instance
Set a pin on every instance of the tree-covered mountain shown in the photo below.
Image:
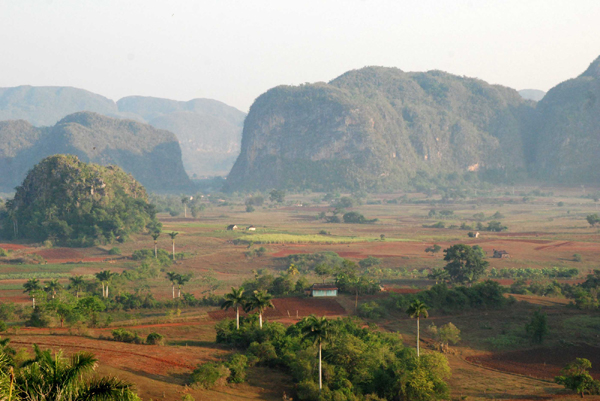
(209, 131)
(567, 131)
(70, 202)
(379, 128)
(153, 156)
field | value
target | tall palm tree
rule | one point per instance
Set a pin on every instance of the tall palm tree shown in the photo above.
(259, 300)
(54, 378)
(181, 279)
(172, 277)
(104, 277)
(32, 286)
(173, 234)
(318, 331)
(155, 238)
(52, 286)
(416, 310)
(185, 200)
(77, 282)
(235, 299)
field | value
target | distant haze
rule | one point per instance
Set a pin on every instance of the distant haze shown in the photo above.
(234, 51)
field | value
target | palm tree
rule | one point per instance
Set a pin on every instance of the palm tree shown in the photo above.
(317, 330)
(155, 238)
(181, 279)
(32, 286)
(172, 277)
(77, 282)
(104, 277)
(235, 299)
(53, 377)
(185, 200)
(173, 234)
(259, 300)
(417, 309)
(52, 286)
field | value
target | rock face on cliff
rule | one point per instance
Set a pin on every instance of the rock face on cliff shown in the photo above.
(209, 131)
(375, 128)
(151, 155)
(567, 131)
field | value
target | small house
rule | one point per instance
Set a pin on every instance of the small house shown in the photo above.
(232, 227)
(477, 234)
(498, 254)
(323, 290)
(251, 228)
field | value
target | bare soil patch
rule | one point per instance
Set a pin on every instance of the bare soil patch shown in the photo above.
(292, 307)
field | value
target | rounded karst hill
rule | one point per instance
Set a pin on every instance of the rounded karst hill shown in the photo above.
(73, 203)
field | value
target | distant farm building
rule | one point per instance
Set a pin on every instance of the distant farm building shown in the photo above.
(251, 228)
(232, 227)
(323, 290)
(501, 254)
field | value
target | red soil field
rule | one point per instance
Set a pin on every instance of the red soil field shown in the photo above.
(12, 247)
(403, 290)
(543, 363)
(300, 307)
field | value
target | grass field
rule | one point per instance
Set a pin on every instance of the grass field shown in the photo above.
(493, 360)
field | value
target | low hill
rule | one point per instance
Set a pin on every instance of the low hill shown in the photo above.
(209, 131)
(567, 131)
(70, 202)
(153, 156)
(532, 94)
(379, 128)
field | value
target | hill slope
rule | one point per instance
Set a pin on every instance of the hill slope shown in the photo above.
(209, 131)
(151, 155)
(532, 94)
(375, 128)
(567, 140)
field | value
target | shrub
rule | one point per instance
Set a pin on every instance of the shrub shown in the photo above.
(3, 252)
(577, 258)
(126, 336)
(155, 339)
(370, 261)
(371, 310)
(356, 218)
(209, 374)
(237, 365)
(250, 208)
(114, 251)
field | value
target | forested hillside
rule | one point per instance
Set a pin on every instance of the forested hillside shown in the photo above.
(379, 128)
(153, 156)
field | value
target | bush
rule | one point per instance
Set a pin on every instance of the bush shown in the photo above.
(210, 374)
(371, 310)
(370, 261)
(126, 336)
(237, 365)
(577, 258)
(114, 251)
(3, 252)
(356, 218)
(250, 208)
(155, 339)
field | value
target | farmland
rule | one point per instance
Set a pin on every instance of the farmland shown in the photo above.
(493, 360)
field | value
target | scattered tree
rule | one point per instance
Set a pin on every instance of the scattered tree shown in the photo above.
(235, 299)
(318, 331)
(593, 219)
(575, 376)
(465, 264)
(260, 301)
(32, 287)
(76, 283)
(416, 310)
(173, 234)
(155, 236)
(537, 328)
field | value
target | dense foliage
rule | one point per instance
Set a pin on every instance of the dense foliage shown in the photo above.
(358, 363)
(73, 203)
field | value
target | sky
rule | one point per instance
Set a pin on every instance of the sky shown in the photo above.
(235, 50)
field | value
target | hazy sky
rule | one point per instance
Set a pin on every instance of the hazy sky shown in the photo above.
(235, 50)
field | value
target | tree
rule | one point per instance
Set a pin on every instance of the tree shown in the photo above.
(277, 195)
(575, 376)
(433, 249)
(318, 331)
(77, 282)
(465, 265)
(292, 270)
(322, 270)
(260, 301)
(172, 277)
(181, 279)
(593, 219)
(173, 234)
(104, 277)
(185, 200)
(537, 328)
(235, 299)
(416, 310)
(155, 236)
(52, 286)
(32, 286)
(54, 378)
(446, 334)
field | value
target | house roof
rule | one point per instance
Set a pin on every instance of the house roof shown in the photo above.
(323, 287)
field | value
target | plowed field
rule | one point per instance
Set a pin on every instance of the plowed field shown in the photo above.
(293, 307)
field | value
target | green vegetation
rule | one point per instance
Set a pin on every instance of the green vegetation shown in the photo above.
(73, 203)
(575, 377)
(537, 328)
(305, 239)
(465, 264)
